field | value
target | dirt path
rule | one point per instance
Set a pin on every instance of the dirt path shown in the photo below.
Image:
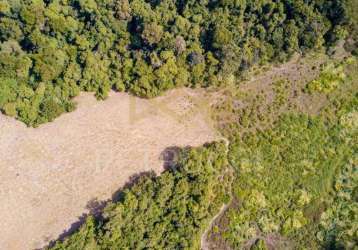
(50, 175)
(205, 245)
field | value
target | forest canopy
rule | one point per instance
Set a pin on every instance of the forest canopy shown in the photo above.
(50, 50)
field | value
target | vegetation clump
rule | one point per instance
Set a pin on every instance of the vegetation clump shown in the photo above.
(331, 77)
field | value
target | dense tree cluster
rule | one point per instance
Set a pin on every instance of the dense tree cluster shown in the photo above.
(166, 212)
(52, 49)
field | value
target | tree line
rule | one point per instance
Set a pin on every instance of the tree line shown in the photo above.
(166, 212)
(50, 50)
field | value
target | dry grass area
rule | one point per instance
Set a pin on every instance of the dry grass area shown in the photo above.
(52, 175)
(272, 90)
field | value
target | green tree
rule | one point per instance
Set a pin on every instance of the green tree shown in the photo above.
(152, 33)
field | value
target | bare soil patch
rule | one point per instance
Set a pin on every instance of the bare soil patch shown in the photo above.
(52, 175)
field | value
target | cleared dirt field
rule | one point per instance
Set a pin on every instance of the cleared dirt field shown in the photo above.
(52, 175)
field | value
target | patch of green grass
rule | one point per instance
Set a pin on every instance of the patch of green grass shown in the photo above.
(352, 9)
(281, 89)
(330, 78)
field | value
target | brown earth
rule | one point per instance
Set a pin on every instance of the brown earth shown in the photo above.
(52, 175)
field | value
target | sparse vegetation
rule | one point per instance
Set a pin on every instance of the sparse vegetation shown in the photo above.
(296, 177)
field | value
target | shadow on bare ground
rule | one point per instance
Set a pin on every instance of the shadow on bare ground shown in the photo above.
(95, 207)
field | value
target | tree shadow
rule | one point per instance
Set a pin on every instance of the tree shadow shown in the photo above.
(170, 157)
(95, 207)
